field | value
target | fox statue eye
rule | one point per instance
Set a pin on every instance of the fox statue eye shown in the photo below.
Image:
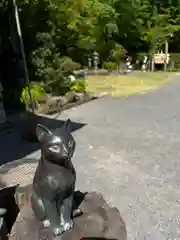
(54, 149)
(70, 143)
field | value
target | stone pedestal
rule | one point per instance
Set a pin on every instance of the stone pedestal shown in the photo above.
(98, 221)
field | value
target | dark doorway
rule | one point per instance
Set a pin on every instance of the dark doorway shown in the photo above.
(159, 67)
(9, 59)
(11, 84)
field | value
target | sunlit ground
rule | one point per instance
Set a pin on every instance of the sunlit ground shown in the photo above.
(125, 85)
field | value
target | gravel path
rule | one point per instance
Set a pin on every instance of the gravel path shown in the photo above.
(130, 151)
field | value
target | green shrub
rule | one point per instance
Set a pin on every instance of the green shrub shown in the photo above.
(173, 69)
(37, 91)
(68, 65)
(118, 53)
(140, 56)
(78, 86)
(58, 86)
(175, 59)
(110, 65)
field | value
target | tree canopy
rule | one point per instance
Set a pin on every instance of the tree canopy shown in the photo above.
(75, 28)
(56, 29)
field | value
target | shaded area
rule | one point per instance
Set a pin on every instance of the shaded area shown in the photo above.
(7, 201)
(12, 145)
(78, 199)
(11, 69)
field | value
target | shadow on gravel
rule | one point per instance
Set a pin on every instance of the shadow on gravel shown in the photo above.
(12, 144)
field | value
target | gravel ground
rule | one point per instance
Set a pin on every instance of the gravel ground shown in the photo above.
(129, 151)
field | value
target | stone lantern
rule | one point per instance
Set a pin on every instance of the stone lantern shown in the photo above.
(145, 63)
(96, 59)
(89, 62)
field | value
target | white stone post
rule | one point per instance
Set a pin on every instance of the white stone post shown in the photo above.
(128, 65)
(144, 65)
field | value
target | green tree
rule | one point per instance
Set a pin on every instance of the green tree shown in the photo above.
(118, 54)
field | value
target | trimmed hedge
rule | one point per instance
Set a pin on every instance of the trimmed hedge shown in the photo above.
(110, 66)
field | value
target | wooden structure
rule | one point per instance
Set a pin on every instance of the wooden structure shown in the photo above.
(159, 58)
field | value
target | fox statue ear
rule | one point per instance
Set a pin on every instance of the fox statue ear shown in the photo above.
(67, 125)
(42, 131)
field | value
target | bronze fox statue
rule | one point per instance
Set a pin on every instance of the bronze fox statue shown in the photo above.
(54, 179)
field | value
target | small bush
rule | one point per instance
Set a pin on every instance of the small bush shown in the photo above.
(37, 91)
(110, 65)
(118, 53)
(78, 86)
(59, 86)
(173, 69)
(68, 65)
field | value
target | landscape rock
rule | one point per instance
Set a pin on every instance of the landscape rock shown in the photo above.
(70, 97)
(98, 220)
(55, 101)
(69, 100)
(43, 99)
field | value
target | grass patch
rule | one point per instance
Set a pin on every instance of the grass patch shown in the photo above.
(126, 85)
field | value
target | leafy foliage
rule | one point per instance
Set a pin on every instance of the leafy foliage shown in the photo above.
(175, 59)
(118, 54)
(37, 91)
(78, 85)
(68, 65)
(60, 35)
(110, 65)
